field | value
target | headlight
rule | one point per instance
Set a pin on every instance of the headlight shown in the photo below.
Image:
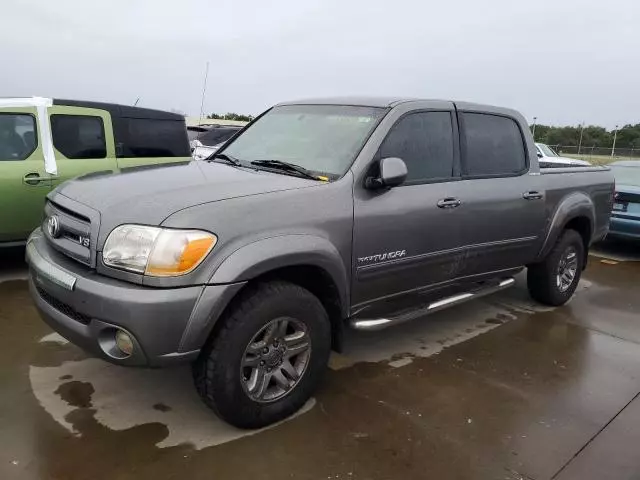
(157, 252)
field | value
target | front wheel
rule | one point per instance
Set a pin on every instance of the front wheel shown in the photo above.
(267, 357)
(554, 280)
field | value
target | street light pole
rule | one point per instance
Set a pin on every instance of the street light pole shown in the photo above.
(534, 128)
(615, 136)
(580, 142)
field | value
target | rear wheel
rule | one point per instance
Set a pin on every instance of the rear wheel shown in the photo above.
(554, 280)
(267, 357)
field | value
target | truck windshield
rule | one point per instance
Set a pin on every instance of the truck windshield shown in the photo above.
(323, 139)
(547, 151)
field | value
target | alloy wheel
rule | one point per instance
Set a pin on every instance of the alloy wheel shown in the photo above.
(275, 359)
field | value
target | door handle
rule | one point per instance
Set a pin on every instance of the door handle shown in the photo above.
(533, 195)
(33, 178)
(449, 202)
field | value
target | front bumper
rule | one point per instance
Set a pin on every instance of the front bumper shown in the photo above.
(168, 325)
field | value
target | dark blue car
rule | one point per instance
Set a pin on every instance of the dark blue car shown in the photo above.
(625, 217)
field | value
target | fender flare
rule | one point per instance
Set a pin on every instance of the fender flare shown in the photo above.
(574, 205)
(266, 255)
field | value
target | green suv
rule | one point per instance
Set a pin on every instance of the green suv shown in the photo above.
(44, 142)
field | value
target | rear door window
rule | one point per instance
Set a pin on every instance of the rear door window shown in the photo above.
(78, 136)
(494, 146)
(424, 141)
(18, 139)
(146, 137)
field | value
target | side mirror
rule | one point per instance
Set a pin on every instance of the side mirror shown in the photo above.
(393, 172)
(540, 155)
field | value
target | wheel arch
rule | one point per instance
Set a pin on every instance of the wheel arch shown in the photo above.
(584, 227)
(305, 260)
(576, 212)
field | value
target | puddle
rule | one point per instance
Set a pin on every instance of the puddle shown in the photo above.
(424, 337)
(120, 398)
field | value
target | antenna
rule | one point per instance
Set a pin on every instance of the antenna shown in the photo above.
(136, 102)
(204, 91)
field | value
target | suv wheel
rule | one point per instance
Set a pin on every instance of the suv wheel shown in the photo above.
(267, 357)
(554, 280)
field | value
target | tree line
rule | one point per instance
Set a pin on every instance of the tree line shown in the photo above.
(592, 136)
(231, 116)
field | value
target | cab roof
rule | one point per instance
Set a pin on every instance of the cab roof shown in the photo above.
(121, 111)
(390, 102)
(380, 102)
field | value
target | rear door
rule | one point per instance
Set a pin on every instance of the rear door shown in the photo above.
(504, 214)
(408, 238)
(83, 141)
(23, 180)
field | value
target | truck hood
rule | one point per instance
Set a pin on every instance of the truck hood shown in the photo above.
(150, 194)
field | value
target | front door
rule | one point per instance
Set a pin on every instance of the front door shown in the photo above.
(83, 141)
(408, 239)
(23, 180)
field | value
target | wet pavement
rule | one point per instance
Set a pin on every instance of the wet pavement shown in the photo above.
(499, 388)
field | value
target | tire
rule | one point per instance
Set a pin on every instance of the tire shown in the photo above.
(222, 379)
(543, 278)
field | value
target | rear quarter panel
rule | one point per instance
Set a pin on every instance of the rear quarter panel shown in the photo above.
(576, 191)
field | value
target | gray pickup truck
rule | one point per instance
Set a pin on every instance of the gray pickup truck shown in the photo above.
(321, 214)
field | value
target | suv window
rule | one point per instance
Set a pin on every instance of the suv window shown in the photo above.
(18, 137)
(494, 145)
(215, 136)
(148, 137)
(78, 136)
(424, 140)
(194, 132)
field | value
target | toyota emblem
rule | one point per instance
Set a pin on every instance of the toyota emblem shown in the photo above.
(53, 226)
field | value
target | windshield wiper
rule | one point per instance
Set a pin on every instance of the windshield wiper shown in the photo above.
(226, 157)
(286, 166)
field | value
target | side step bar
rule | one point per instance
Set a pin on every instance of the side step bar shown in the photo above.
(382, 323)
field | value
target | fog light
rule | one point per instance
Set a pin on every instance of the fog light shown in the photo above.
(124, 342)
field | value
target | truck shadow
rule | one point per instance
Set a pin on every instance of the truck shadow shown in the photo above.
(617, 250)
(12, 264)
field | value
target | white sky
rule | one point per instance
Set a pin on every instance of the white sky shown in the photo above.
(564, 61)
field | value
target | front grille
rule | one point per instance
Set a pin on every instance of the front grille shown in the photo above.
(70, 213)
(73, 237)
(63, 308)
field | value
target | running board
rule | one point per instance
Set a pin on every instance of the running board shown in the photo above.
(382, 323)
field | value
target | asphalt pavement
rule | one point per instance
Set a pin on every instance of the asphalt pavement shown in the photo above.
(498, 388)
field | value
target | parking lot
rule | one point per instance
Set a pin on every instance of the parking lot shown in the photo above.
(496, 388)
